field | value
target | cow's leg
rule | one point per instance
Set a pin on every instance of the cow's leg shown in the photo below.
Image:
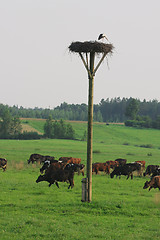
(71, 181)
(150, 188)
(4, 168)
(57, 184)
(53, 183)
(70, 184)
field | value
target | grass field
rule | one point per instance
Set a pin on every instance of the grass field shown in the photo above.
(121, 209)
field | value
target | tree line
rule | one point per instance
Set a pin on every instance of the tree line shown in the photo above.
(109, 110)
(143, 121)
(132, 111)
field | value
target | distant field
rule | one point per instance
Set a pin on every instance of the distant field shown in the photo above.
(28, 128)
(31, 124)
(121, 209)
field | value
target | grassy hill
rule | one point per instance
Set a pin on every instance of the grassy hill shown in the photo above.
(109, 142)
(121, 209)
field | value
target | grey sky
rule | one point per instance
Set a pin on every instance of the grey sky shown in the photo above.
(36, 69)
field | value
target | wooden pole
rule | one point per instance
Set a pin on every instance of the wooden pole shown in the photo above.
(90, 127)
(86, 65)
(87, 182)
(104, 55)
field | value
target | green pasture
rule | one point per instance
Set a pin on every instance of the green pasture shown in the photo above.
(120, 209)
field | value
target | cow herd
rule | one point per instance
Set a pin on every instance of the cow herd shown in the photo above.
(121, 167)
(63, 169)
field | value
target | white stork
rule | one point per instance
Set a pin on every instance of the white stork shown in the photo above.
(102, 36)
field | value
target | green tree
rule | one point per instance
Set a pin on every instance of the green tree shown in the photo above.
(5, 124)
(15, 127)
(132, 109)
(58, 129)
(9, 127)
(48, 128)
(70, 132)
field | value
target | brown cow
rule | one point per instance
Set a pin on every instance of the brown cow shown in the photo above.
(64, 159)
(70, 160)
(143, 163)
(3, 163)
(103, 167)
(121, 161)
(55, 175)
(35, 157)
(112, 164)
(53, 166)
(150, 169)
(153, 183)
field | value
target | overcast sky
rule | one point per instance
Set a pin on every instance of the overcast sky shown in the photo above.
(37, 70)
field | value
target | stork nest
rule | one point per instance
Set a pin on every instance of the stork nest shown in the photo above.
(91, 47)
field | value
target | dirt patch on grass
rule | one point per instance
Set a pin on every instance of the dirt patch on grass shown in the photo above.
(27, 128)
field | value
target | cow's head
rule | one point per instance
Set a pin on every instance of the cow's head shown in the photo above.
(40, 178)
(46, 165)
(146, 185)
(112, 175)
(82, 166)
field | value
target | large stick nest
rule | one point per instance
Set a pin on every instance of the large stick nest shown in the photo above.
(90, 47)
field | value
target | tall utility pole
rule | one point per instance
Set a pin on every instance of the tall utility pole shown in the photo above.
(85, 49)
(90, 127)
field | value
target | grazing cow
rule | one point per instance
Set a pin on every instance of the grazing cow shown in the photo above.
(59, 175)
(80, 169)
(76, 167)
(35, 157)
(156, 173)
(153, 183)
(112, 164)
(75, 160)
(142, 167)
(103, 167)
(143, 163)
(126, 170)
(3, 163)
(70, 160)
(121, 161)
(150, 169)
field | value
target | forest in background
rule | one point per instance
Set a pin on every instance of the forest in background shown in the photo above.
(109, 110)
(132, 112)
